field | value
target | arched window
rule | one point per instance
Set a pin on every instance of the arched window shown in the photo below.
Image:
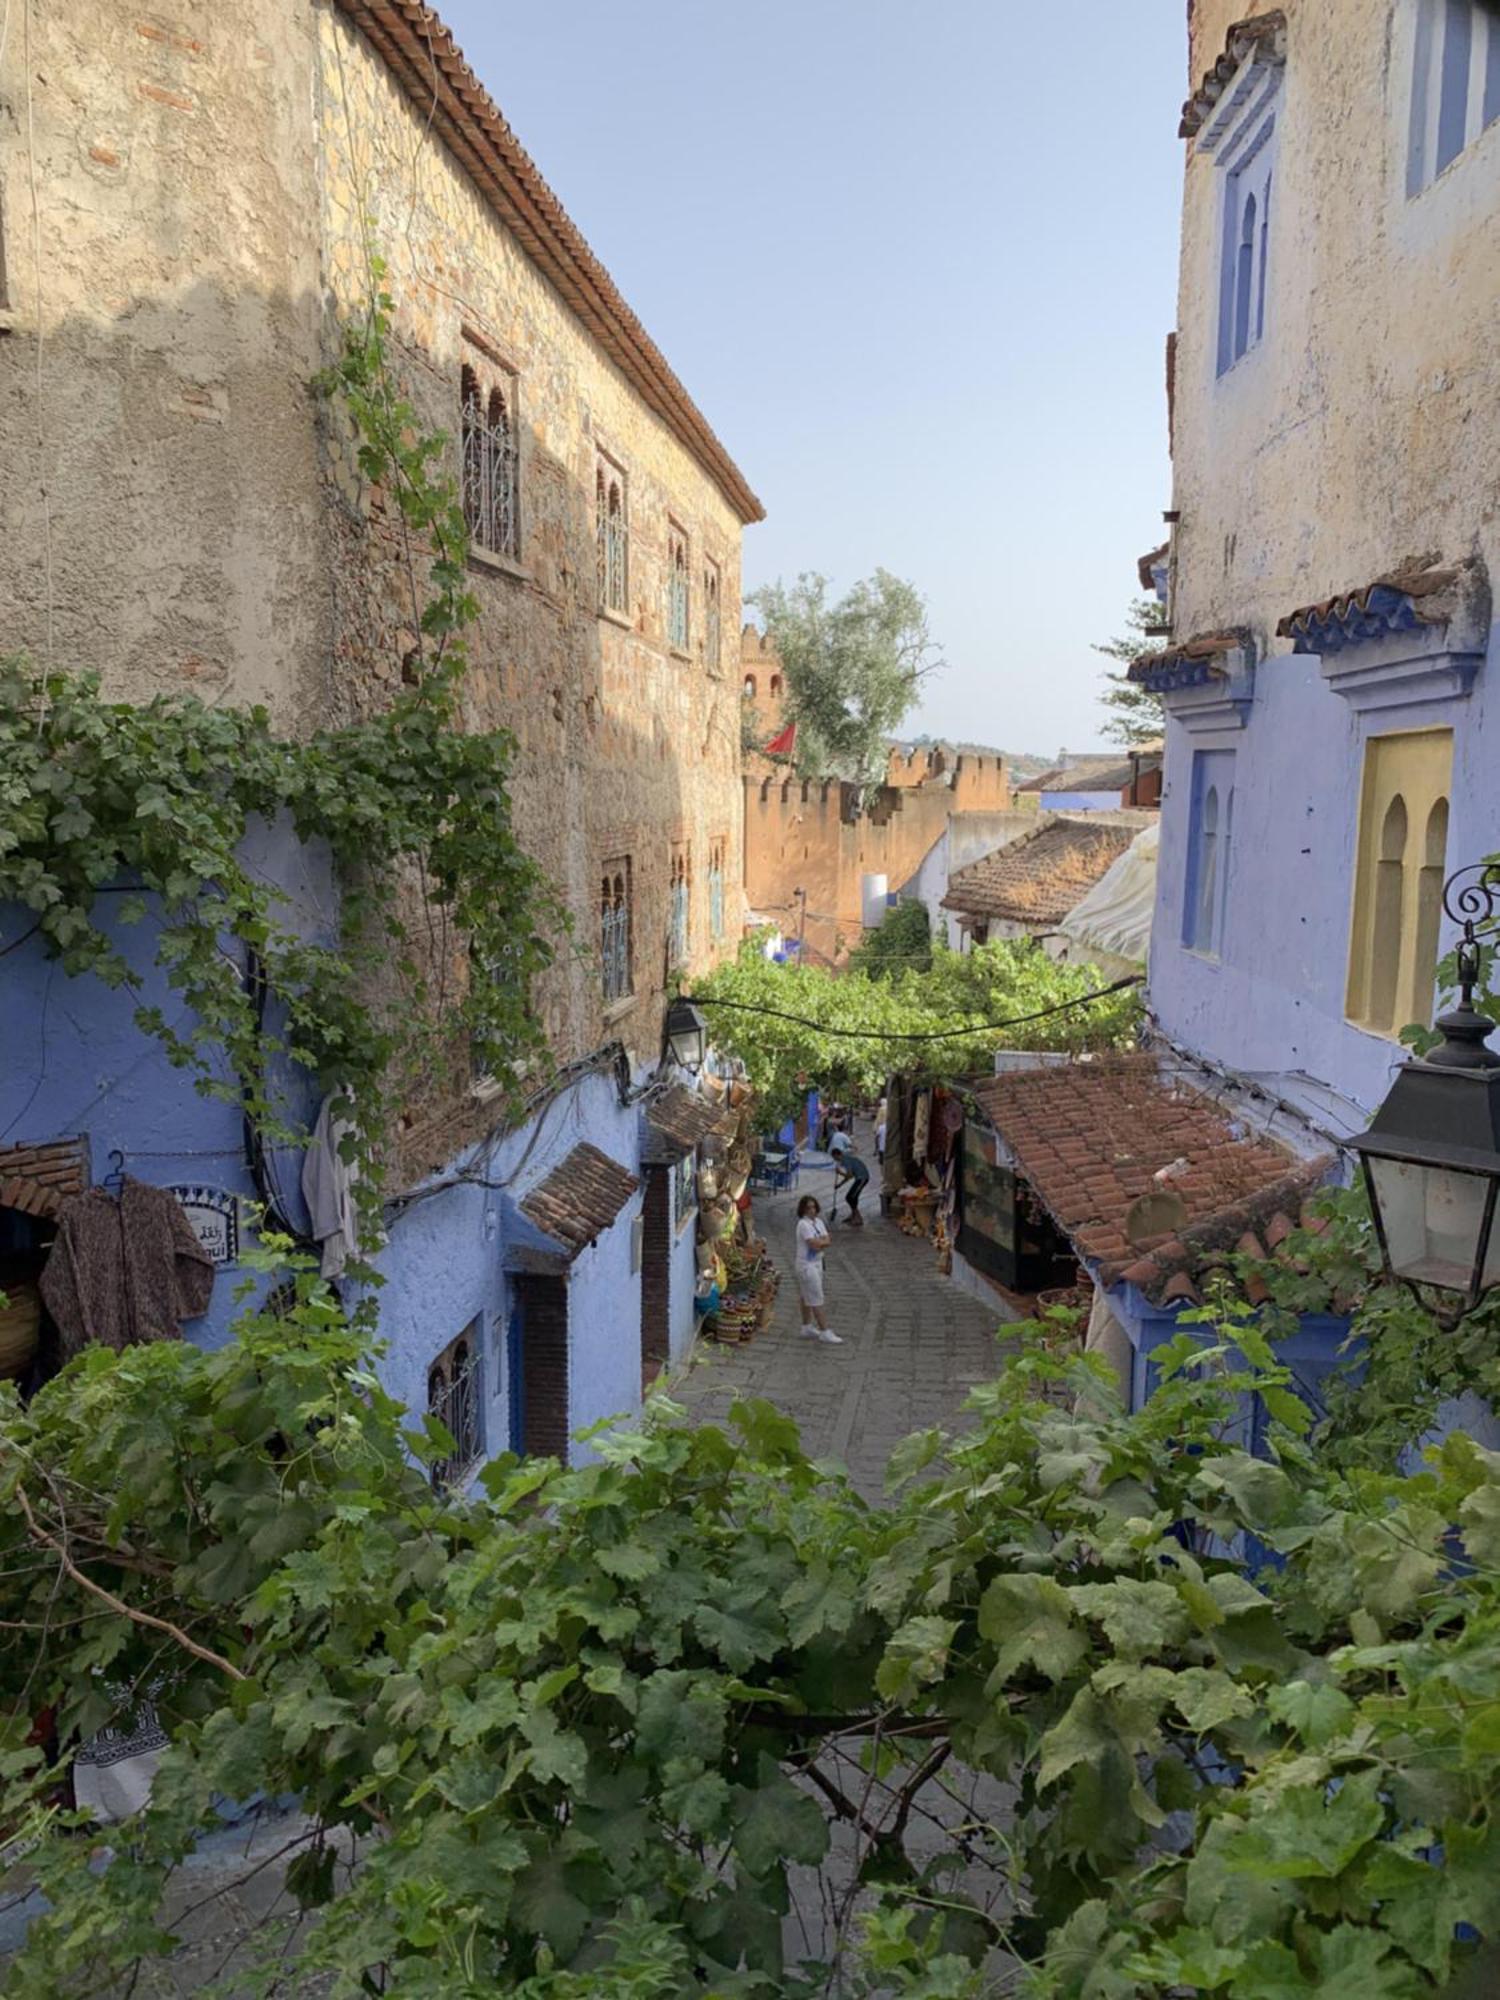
(1244, 279)
(453, 1385)
(716, 888)
(1210, 831)
(1429, 913)
(612, 532)
(1208, 871)
(614, 931)
(749, 688)
(775, 686)
(677, 588)
(681, 898)
(712, 630)
(1260, 281)
(489, 464)
(1385, 958)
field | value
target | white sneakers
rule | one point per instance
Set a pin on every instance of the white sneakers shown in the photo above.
(824, 1333)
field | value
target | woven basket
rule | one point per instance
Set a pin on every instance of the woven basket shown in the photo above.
(20, 1324)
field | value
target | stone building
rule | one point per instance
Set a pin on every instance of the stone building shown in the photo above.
(179, 511)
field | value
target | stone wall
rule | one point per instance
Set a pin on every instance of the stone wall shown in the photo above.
(160, 519)
(627, 748)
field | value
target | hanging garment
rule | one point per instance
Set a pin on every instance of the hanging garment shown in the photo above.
(328, 1181)
(919, 1127)
(123, 1271)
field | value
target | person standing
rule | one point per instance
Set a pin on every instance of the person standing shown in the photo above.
(848, 1166)
(880, 1127)
(812, 1241)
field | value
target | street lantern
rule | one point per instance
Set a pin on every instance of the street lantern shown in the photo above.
(687, 1035)
(1431, 1157)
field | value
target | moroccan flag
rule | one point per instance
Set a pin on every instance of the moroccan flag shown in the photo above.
(783, 744)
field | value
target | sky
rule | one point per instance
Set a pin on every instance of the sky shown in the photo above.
(917, 266)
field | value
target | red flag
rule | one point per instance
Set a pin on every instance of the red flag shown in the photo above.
(784, 744)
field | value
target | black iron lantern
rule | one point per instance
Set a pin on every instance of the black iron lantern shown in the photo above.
(1431, 1157)
(687, 1035)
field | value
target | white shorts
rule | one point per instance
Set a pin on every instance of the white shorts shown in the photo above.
(810, 1283)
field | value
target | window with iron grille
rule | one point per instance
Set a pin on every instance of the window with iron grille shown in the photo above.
(677, 587)
(681, 894)
(614, 930)
(1455, 84)
(684, 1189)
(453, 1397)
(716, 888)
(491, 483)
(612, 526)
(712, 630)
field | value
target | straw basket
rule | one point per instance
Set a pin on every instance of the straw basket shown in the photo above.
(20, 1323)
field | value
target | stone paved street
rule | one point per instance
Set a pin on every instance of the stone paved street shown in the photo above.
(914, 1344)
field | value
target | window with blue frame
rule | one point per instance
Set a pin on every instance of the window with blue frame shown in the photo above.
(1455, 84)
(1210, 841)
(1249, 181)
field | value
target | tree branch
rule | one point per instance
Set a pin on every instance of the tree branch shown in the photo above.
(118, 1604)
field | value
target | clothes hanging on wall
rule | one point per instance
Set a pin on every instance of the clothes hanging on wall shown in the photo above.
(328, 1182)
(124, 1270)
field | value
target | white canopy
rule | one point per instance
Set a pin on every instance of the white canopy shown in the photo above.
(1115, 916)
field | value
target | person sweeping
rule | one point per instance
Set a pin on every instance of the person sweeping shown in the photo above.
(849, 1172)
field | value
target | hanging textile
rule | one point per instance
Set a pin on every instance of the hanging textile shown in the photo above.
(124, 1271)
(328, 1181)
(920, 1127)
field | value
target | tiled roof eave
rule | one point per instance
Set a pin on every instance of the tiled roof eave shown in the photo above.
(1418, 595)
(1192, 663)
(421, 54)
(1260, 35)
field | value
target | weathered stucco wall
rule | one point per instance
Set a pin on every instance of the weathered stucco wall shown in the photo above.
(159, 494)
(1362, 429)
(626, 747)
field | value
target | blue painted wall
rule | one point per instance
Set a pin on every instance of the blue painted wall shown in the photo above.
(1080, 801)
(683, 1283)
(1273, 1001)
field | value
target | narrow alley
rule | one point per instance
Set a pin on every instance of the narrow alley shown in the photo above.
(914, 1344)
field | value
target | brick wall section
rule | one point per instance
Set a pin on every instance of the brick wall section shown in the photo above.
(38, 1179)
(544, 1365)
(656, 1270)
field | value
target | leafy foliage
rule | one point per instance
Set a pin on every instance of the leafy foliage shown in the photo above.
(852, 669)
(142, 812)
(993, 982)
(1135, 714)
(903, 943)
(591, 1728)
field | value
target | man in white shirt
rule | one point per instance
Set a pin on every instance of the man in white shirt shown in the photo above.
(812, 1240)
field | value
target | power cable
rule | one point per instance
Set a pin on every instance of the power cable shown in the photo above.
(927, 1035)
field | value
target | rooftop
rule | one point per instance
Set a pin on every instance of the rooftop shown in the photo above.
(1422, 590)
(1076, 776)
(1092, 1139)
(580, 1198)
(421, 54)
(1038, 878)
(680, 1119)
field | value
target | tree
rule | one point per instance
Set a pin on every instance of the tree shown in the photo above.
(903, 943)
(1135, 714)
(591, 1731)
(852, 669)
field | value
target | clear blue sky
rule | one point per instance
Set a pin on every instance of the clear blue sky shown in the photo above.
(917, 265)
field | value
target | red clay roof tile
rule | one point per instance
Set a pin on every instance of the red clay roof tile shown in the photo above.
(580, 1198)
(1037, 879)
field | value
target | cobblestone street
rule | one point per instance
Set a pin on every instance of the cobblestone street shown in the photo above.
(914, 1343)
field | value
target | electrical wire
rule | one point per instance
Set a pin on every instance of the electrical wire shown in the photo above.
(929, 1034)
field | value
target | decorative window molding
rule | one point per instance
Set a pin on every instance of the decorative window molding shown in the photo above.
(713, 629)
(1238, 129)
(615, 931)
(490, 454)
(1401, 860)
(1251, 49)
(677, 587)
(1455, 85)
(1416, 634)
(679, 929)
(1210, 839)
(1207, 684)
(454, 1384)
(612, 534)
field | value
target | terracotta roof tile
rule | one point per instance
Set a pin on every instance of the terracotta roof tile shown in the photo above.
(681, 1119)
(38, 1179)
(580, 1198)
(1132, 1118)
(1263, 35)
(1421, 590)
(1040, 877)
(428, 65)
(1207, 653)
(1071, 777)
